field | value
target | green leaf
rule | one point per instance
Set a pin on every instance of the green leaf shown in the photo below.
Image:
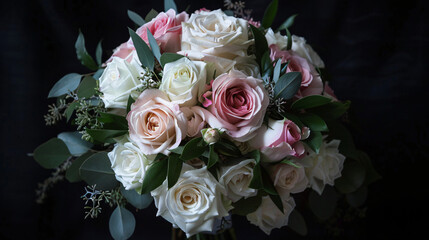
(66, 84)
(288, 23)
(192, 149)
(72, 173)
(99, 53)
(227, 148)
(371, 174)
(290, 162)
(310, 102)
(178, 150)
(113, 121)
(122, 224)
(98, 74)
(256, 182)
(229, 12)
(70, 109)
(314, 141)
(170, 4)
(83, 55)
(297, 223)
(256, 155)
(323, 206)
(358, 197)
(169, 57)
(152, 14)
(289, 40)
(352, 177)
(268, 185)
(76, 145)
(140, 201)
(288, 85)
(331, 111)
(247, 205)
(97, 170)
(293, 118)
(51, 153)
(137, 19)
(143, 51)
(130, 101)
(314, 122)
(155, 176)
(270, 14)
(347, 146)
(277, 69)
(103, 135)
(153, 45)
(87, 87)
(174, 169)
(261, 44)
(277, 201)
(213, 156)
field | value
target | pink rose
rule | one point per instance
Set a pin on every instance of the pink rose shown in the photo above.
(155, 123)
(198, 118)
(166, 28)
(329, 92)
(311, 82)
(279, 139)
(239, 103)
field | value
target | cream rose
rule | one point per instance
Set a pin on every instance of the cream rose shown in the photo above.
(193, 203)
(129, 164)
(155, 123)
(276, 38)
(326, 166)
(236, 179)
(268, 216)
(248, 66)
(119, 80)
(184, 80)
(289, 179)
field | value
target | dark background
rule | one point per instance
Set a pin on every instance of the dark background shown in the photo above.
(377, 55)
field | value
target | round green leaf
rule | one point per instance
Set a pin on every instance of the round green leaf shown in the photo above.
(72, 173)
(353, 176)
(140, 201)
(76, 145)
(357, 198)
(87, 87)
(66, 84)
(297, 223)
(155, 176)
(122, 224)
(96, 170)
(323, 206)
(51, 153)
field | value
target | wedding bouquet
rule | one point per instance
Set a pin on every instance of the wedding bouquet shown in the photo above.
(208, 114)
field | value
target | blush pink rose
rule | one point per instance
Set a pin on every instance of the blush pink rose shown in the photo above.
(155, 123)
(239, 103)
(198, 118)
(311, 83)
(166, 28)
(281, 138)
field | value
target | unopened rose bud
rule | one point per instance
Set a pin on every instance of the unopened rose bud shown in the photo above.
(210, 135)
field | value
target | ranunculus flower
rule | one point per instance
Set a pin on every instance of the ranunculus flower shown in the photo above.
(184, 80)
(236, 179)
(288, 179)
(166, 28)
(239, 103)
(248, 66)
(279, 139)
(193, 203)
(198, 118)
(215, 37)
(268, 216)
(119, 80)
(299, 46)
(155, 123)
(311, 82)
(326, 166)
(129, 164)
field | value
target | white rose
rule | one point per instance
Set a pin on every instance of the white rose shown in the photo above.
(236, 179)
(299, 46)
(287, 178)
(193, 203)
(216, 38)
(119, 80)
(268, 216)
(248, 66)
(184, 80)
(325, 167)
(129, 164)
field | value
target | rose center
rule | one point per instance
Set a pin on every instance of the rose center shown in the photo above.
(152, 122)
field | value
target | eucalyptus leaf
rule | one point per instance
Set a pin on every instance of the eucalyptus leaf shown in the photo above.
(83, 55)
(245, 206)
(297, 223)
(288, 85)
(229, 12)
(97, 170)
(352, 177)
(152, 14)
(137, 19)
(174, 169)
(143, 51)
(288, 23)
(154, 176)
(72, 173)
(153, 45)
(66, 84)
(51, 153)
(98, 74)
(314, 141)
(310, 102)
(122, 223)
(169, 57)
(87, 87)
(323, 206)
(99, 53)
(140, 201)
(314, 122)
(277, 69)
(170, 4)
(76, 145)
(270, 14)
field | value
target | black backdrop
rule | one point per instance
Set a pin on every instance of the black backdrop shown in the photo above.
(375, 51)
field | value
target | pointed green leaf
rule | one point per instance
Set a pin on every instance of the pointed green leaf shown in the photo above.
(113, 121)
(213, 157)
(131, 100)
(289, 40)
(288, 85)
(256, 182)
(99, 53)
(70, 109)
(155, 176)
(87, 87)
(331, 111)
(137, 19)
(83, 55)
(277, 201)
(314, 122)
(288, 23)
(51, 153)
(174, 169)
(103, 135)
(153, 45)
(143, 51)
(314, 141)
(140, 201)
(277, 69)
(261, 44)
(97, 170)
(122, 224)
(310, 102)
(66, 84)
(152, 14)
(169, 57)
(192, 149)
(247, 205)
(170, 4)
(270, 14)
